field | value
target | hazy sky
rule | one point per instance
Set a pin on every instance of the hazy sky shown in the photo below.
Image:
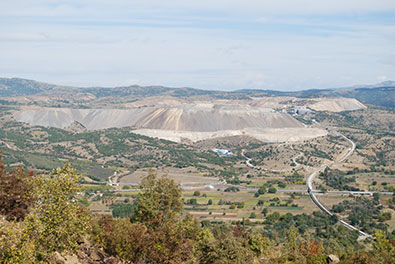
(209, 44)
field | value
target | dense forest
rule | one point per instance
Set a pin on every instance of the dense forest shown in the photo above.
(44, 221)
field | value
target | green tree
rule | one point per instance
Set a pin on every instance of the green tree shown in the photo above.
(159, 201)
(291, 246)
(225, 249)
(383, 250)
(57, 222)
(192, 201)
(265, 211)
(281, 185)
(262, 190)
(259, 244)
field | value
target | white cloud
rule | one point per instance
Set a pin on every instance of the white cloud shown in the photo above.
(104, 8)
(208, 44)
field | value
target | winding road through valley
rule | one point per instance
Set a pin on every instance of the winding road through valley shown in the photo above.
(312, 192)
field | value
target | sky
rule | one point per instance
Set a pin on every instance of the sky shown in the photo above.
(207, 44)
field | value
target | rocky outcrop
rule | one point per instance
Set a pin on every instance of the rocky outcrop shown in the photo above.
(332, 259)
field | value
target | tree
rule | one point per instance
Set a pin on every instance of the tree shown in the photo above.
(196, 193)
(383, 250)
(210, 202)
(15, 192)
(292, 244)
(265, 211)
(272, 190)
(281, 185)
(192, 201)
(226, 248)
(258, 244)
(159, 201)
(158, 208)
(56, 221)
(262, 190)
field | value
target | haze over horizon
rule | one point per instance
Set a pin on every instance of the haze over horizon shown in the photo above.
(221, 45)
(389, 83)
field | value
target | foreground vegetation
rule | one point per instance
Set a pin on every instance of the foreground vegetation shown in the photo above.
(43, 216)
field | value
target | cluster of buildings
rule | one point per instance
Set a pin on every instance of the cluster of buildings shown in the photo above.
(223, 152)
(301, 110)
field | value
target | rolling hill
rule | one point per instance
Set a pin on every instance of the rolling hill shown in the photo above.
(382, 94)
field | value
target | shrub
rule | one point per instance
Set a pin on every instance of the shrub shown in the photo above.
(15, 192)
(14, 247)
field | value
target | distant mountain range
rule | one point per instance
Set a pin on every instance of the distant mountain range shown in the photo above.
(381, 94)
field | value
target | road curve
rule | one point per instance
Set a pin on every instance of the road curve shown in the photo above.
(311, 191)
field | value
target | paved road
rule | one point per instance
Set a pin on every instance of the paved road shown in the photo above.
(312, 192)
(334, 192)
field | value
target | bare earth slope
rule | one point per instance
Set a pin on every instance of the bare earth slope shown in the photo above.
(263, 134)
(193, 122)
(203, 118)
(337, 104)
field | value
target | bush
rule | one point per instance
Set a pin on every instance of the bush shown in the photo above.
(139, 243)
(192, 201)
(232, 189)
(225, 249)
(14, 247)
(281, 185)
(15, 192)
